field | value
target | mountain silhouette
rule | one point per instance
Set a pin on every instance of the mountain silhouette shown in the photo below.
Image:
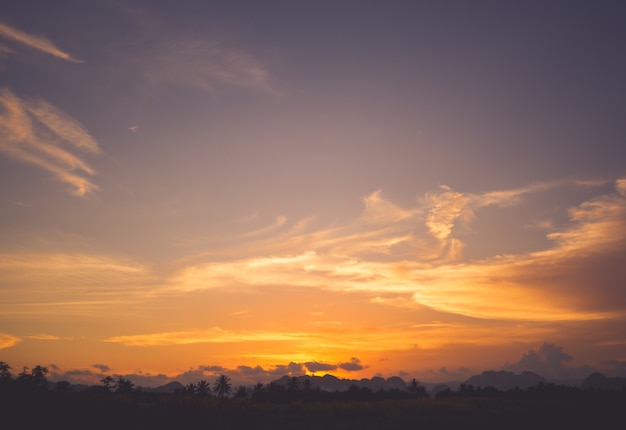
(503, 380)
(332, 383)
(601, 382)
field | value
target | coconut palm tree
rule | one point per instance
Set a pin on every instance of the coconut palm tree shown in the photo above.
(223, 386)
(241, 392)
(39, 376)
(203, 388)
(5, 371)
(108, 382)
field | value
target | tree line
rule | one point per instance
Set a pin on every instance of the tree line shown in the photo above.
(222, 388)
(30, 400)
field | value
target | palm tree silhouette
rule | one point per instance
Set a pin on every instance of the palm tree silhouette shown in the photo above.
(241, 392)
(5, 371)
(223, 386)
(39, 375)
(203, 388)
(258, 387)
(108, 382)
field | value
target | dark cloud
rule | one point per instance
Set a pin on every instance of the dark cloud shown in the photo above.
(257, 371)
(148, 380)
(202, 373)
(75, 376)
(251, 374)
(101, 367)
(586, 269)
(352, 366)
(240, 374)
(314, 366)
(549, 360)
(71, 373)
(289, 369)
(547, 357)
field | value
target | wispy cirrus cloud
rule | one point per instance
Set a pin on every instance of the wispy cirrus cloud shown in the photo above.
(5, 50)
(278, 223)
(517, 286)
(36, 132)
(43, 336)
(379, 210)
(35, 42)
(514, 196)
(596, 223)
(201, 63)
(83, 284)
(213, 335)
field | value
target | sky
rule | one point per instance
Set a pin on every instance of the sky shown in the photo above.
(423, 189)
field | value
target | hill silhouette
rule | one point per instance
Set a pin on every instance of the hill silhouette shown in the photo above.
(332, 383)
(505, 381)
(599, 381)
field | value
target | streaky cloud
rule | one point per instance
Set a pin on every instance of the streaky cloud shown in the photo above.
(597, 224)
(84, 284)
(43, 336)
(34, 132)
(7, 340)
(203, 64)
(64, 126)
(380, 210)
(508, 287)
(504, 198)
(278, 223)
(5, 50)
(35, 42)
(213, 335)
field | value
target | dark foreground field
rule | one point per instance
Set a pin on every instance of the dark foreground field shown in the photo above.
(551, 408)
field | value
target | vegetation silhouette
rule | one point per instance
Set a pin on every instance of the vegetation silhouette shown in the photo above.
(223, 387)
(29, 400)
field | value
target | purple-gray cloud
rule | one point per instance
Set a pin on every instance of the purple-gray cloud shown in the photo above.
(550, 361)
(101, 367)
(353, 365)
(314, 366)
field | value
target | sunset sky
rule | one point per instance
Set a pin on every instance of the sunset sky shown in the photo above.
(423, 189)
